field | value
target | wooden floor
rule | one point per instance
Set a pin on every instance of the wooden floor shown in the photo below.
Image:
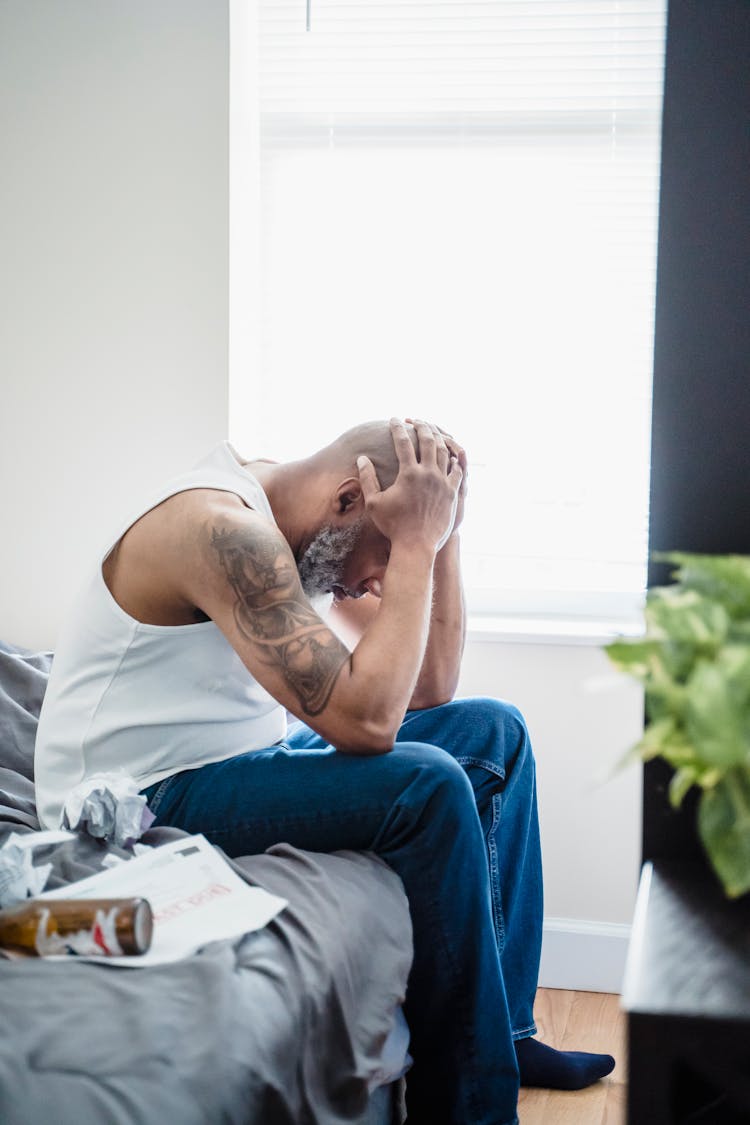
(579, 1021)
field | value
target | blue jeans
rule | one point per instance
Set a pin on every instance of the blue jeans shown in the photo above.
(452, 809)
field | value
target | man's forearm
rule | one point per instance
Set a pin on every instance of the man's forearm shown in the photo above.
(438, 677)
(441, 663)
(385, 664)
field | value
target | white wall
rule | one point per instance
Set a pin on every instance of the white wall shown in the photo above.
(582, 716)
(114, 368)
(114, 274)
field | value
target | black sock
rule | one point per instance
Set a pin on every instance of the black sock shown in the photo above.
(541, 1065)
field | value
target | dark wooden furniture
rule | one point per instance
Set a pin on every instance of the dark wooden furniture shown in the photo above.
(687, 994)
(687, 989)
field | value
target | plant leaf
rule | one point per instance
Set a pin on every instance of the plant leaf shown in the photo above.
(665, 738)
(733, 662)
(628, 758)
(664, 695)
(724, 828)
(662, 737)
(725, 578)
(682, 781)
(687, 618)
(715, 717)
(634, 656)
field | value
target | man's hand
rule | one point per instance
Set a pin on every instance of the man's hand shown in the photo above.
(460, 453)
(420, 506)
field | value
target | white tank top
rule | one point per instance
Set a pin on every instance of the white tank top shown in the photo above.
(149, 700)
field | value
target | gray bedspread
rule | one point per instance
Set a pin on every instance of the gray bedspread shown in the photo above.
(285, 1027)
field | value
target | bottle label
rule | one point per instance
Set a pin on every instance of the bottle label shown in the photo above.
(100, 939)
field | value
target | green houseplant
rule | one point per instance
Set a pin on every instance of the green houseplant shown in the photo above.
(694, 661)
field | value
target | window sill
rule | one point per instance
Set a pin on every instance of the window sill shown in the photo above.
(496, 629)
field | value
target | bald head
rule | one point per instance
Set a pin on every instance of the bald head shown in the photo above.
(373, 439)
(322, 493)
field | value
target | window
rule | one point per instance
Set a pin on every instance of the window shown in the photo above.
(458, 207)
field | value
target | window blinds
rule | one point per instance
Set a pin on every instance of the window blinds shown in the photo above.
(458, 214)
(509, 64)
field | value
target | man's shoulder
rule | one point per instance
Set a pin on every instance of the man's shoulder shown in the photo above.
(197, 503)
(157, 569)
(207, 509)
(182, 527)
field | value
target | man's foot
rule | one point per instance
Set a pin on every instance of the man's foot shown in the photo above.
(541, 1065)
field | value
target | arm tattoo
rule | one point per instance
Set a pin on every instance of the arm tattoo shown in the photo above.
(272, 612)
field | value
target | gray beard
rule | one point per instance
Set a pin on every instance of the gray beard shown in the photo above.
(322, 564)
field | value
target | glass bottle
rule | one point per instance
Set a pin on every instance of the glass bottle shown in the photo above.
(107, 927)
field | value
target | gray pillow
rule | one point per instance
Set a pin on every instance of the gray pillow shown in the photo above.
(23, 681)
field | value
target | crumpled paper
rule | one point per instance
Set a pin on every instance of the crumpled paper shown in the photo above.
(19, 879)
(109, 807)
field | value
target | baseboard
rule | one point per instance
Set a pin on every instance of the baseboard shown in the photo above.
(587, 956)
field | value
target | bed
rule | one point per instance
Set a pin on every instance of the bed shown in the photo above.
(296, 1024)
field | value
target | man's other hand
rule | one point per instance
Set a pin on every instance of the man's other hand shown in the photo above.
(459, 452)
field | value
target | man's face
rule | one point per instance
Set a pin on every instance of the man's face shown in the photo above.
(347, 561)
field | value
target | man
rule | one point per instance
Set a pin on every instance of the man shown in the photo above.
(197, 633)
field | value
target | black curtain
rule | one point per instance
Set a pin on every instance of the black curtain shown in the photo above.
(700, 457)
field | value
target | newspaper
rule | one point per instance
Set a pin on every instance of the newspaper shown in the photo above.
(194, 894)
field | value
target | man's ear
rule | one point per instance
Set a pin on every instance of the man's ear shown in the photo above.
(349, 496)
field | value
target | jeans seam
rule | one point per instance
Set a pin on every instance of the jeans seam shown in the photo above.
(485, 764)
(159, 795)
(285, 821)
(494, 865)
